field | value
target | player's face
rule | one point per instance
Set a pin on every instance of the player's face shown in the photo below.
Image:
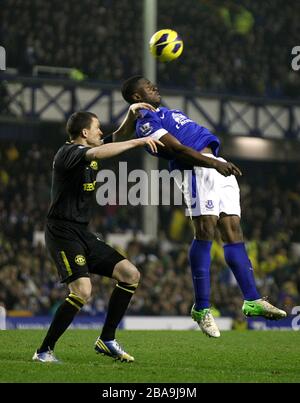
(148, 92)
(94, 133)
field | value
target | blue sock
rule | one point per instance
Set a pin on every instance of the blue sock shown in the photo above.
(200, 264)
(237, 259)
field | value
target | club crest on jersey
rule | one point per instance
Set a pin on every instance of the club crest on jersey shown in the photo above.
(80, 260)
(146, 129)
(209, 204)
(94, 165)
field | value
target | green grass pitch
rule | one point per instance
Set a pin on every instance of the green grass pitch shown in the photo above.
(160, 356)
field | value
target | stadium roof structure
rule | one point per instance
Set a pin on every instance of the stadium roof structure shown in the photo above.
(55, 99)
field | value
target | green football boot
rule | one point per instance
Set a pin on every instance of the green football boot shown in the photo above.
(261, 307)
(205, 321)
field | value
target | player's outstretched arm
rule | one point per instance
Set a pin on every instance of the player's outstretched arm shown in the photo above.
(194, 158)
(114, 149)
(128, 124)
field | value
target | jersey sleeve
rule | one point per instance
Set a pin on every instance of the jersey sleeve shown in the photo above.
(149, 125)
(71, 157)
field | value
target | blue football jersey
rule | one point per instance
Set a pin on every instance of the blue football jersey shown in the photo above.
(175, 122)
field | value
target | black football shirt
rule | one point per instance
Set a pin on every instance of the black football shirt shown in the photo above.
(73, 184)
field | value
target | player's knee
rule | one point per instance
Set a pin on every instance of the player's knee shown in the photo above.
(232, 231)
(237, 234)
(134, 276)
(205, 227)
(85, 295)
(126, 272)
(82, 288)
(205, 235)
(205, 232)
(131, 275)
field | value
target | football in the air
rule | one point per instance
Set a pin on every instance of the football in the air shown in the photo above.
(166, 45)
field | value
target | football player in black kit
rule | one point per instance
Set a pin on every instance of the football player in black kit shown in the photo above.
(76, 251)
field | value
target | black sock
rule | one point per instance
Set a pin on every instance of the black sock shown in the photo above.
(62, 319)
(117, 306)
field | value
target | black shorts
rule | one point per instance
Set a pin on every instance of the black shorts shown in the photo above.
(78, 252)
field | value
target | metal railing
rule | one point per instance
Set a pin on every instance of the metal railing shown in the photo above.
(55, 99)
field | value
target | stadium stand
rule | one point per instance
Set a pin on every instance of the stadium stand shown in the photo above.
(227, 39)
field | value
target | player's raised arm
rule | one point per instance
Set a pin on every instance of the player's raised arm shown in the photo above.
(195, 158)
(111, 150)
(128, 124)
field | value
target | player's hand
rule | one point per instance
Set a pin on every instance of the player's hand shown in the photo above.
(227, 168)
(151, 143)
(135, 108)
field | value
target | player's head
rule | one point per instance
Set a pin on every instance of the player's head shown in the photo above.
(139, 89)
(84, 126)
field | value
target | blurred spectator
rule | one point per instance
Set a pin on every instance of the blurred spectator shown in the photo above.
(29, 59)
(4, 99)
(239, 47)
(12, 153)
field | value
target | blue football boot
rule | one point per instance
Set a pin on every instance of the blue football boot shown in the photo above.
(112, 349)
(45, 356)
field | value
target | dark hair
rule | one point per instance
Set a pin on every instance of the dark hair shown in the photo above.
(79, 121)
(129, 87)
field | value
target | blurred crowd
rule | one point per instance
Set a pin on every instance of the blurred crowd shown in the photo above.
(270, 195)
(239, 47)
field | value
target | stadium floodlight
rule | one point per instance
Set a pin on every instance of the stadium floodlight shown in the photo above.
(150, 213)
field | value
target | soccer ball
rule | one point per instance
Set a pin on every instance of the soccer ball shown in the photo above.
(166, 45)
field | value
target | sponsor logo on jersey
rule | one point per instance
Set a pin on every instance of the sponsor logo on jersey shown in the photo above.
(89, 187)
(180, 119)
(80, 260)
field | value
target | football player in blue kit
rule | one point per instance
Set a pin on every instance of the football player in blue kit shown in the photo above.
(190, 146)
